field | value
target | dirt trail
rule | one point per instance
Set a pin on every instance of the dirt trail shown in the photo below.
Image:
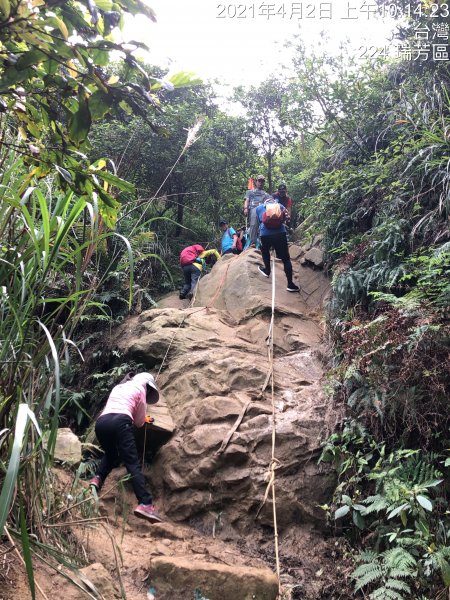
(129, 552)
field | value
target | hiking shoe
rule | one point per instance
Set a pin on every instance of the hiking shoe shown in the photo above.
(96, 482)
(182, 296)
(263, 271)
(147, 511)
(292, 287)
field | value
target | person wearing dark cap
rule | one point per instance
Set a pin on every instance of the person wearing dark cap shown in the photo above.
(283, 198)
(127, 407)
(229, 238)
(253, 199)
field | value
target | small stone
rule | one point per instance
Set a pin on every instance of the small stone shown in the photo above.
(317, 239)
(314, 256)
(102, 580)
(67, 447)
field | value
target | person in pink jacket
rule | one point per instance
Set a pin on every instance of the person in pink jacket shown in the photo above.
(125, 408)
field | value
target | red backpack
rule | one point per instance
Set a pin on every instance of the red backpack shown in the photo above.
(189, 254)
(274, 216)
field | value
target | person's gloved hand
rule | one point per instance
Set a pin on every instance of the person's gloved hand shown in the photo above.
(149, 419)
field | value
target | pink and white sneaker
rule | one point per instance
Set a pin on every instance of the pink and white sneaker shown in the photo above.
(147, 511)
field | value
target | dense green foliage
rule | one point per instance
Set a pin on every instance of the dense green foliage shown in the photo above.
(382, 201)
(53, 87)
(270, 114)
(373, 174)
(57, 211)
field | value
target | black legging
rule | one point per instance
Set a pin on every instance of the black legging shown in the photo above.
(116, 436)
(277, 241)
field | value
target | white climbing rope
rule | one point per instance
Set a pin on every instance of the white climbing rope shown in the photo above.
(274, 463)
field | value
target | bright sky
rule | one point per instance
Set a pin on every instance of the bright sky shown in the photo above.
(243, 43)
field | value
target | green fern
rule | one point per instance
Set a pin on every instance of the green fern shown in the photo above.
(384, 593)
(395, 584)
(388, 571)
(415, 470)
(374, 504)
(399, 559)
(367, 573)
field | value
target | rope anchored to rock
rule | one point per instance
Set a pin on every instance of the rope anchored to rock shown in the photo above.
(274, 462)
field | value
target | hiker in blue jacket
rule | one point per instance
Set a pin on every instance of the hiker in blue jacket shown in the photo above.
(272, 232)
(229, 238)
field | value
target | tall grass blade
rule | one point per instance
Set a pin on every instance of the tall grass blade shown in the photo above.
(27, 551)
(13, 466)
(55, 357)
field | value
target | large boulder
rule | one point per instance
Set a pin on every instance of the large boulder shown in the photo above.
(235, 285)
(216, 371)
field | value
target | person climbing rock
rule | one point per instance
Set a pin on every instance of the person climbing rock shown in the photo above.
(126, 406)
(229, 244)
(192, 263)
(253, 199)
(271, 216)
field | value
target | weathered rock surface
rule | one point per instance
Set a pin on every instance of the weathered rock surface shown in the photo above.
(101, 578)
(311, 248)
(67, 447)
(217, 364)
(177, 578)
(235, 285)
(314, 256)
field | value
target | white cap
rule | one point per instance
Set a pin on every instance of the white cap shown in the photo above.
(148, 379)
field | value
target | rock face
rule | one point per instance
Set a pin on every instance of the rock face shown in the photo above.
(216, 371)
(211, 580)
(235, 285)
